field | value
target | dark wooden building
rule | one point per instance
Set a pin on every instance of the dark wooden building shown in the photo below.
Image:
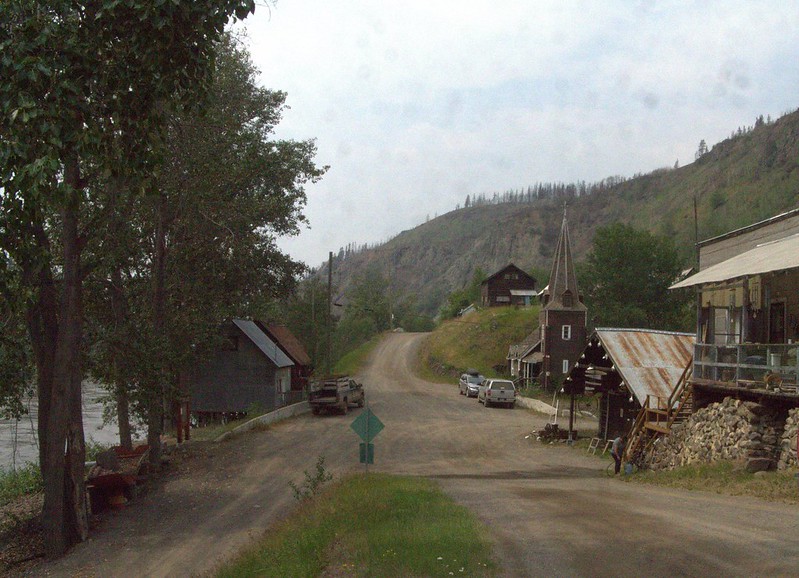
(508, 286)
(563, 316)
(249, 371)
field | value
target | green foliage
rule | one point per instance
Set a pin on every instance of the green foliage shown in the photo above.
(313, 481)
(19, 482)
(479, 340)
(372, 525)
(458, 300)
(626, 280)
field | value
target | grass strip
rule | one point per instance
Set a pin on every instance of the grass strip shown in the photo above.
(372, 525)
(356, 359)
(725, 478)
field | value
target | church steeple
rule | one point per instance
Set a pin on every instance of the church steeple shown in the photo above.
(562, 292)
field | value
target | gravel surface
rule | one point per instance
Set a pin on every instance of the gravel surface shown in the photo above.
(551, 510)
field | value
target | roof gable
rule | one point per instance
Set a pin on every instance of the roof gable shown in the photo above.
(263, 342)
(510, 268)
(287, 342)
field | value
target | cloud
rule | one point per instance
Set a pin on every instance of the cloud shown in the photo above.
(417, 104)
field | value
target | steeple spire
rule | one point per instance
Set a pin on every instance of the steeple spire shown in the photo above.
(563, 292)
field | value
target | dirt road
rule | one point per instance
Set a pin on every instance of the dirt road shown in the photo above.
(551, 510)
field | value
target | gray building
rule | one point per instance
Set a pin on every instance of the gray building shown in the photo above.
(249, 371)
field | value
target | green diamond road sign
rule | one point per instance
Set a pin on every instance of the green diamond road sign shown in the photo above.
(367, 425)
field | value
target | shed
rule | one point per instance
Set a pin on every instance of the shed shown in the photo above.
(249, 370)
(625, 366)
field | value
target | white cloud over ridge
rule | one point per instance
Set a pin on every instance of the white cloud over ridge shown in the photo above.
(417, 104)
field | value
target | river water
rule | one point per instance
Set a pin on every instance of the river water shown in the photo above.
(18, 439)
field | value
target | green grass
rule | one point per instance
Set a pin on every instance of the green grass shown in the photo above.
(479, 340)
(356, 359)
(213, 431)
(19, 482)
(372, 525)
(725, 478)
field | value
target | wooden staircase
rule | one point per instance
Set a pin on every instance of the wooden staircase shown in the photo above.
(657, 417)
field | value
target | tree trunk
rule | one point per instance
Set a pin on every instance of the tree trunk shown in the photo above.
(64, 518)
(155, 411)
(120, 308)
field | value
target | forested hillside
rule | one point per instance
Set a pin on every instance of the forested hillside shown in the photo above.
(750, 176)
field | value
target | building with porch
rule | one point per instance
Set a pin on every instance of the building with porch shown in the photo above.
(747, 302)
(508, 286)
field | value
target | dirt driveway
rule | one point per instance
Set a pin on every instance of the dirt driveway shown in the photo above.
(551, 511)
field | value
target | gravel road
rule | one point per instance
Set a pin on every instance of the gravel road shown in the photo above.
(551, 510)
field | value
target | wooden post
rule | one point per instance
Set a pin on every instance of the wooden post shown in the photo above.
(571, 418)
(328, 364)
(188, 420)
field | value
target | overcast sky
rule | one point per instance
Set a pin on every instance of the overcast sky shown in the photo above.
(415, 104)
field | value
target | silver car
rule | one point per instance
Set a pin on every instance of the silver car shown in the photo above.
(469, 383)
(497, 392)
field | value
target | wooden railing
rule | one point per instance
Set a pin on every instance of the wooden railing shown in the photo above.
(656, 417)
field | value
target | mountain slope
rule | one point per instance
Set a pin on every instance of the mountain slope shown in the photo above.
(741, 180)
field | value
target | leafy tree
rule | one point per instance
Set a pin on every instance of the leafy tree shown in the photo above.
(626, 279)
(83, 99)
(461, 298)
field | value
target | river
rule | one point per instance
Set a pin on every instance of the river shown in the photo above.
(18, 439)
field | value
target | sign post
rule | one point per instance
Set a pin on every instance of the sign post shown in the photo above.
(367, 426)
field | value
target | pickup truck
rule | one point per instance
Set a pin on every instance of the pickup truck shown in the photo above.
(496, 392)
(335, 393)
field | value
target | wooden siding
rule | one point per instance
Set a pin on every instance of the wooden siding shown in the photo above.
(714, 251)
(554, 347)
(234, 380)
(495, 291)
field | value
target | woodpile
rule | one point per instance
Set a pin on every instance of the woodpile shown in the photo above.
(788, 441)
(735, 430)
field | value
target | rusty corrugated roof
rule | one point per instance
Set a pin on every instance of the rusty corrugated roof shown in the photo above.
(649, 362)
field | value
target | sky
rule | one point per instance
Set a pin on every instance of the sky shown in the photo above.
(416, 104)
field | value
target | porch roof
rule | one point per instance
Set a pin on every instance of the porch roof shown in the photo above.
(766, 258)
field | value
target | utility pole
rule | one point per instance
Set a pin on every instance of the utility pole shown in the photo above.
(329, 307)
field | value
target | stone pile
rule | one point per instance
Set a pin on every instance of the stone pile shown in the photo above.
(788, 441)
(730, 430)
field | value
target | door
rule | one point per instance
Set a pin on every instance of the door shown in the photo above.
(776, 323)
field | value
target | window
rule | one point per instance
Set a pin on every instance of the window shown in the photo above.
(568, 301)
(566, 332)
(503, 299)
(565, 366)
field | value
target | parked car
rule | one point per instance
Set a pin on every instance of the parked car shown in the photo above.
(497, 392)
(469, 383)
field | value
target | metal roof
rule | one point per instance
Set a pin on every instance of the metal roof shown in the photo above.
(262, 342)
(288, 342)
(649, 362)
(523, 292)
(766, 258)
